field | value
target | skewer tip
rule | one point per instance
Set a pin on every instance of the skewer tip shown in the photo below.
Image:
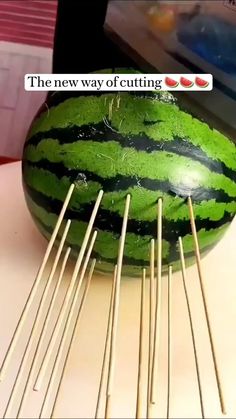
(101, 193)
(128, 197)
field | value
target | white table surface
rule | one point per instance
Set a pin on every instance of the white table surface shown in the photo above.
(21, 251)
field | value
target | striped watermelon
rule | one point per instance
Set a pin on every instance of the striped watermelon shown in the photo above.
(138, 143)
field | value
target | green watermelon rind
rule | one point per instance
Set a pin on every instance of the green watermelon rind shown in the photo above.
(168, 118)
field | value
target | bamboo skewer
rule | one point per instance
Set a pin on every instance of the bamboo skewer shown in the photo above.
(74, 306)
(24, 359)
(58, 359)
(151, 324)
(158, 304)
(36, 323)
(115, 311)
(28, 383)
(34, 288)
(183, 268)
(52, 342)
(169, 340)
(69, 293)
(141, 350)
(200, 275)
(107, 345)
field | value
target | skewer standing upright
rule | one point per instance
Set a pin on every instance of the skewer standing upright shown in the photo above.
(65, 332)
(158, 304)
(201, 279)
(183, 268)
(60, 317)
(151, 324)
(35, 286)
(116, 311)
(46, 359)
(37, 322)
(44, 330)
(141, 349)
(107, 345)
(169, 340)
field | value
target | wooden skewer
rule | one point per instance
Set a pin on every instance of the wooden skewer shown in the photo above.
(169, 340)
(116, 311)
(36, 323)
(151, 323)
(107, 345)
(42, 369)
(34, 288)
(53, 339)
(158, 304)
(28, 383)
(47, 394)
(141, 350)
(183, 268)
(65, 333)
(108, 407)
(200, 275)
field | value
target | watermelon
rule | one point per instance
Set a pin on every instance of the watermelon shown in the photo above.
(142, 143)
(201, 83)
(171, 83)
(185, 82)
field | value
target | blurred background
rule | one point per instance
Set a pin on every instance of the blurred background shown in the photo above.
(26, 42)
(163, 36)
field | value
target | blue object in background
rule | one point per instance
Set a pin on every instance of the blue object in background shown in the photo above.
(211, 38)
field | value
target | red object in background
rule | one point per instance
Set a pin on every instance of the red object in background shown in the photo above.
(5, 160)
(30, 22)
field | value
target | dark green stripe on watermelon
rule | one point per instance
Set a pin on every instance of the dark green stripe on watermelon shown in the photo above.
(103, 132)
(126, 114)
(122, 183)
(127, 260)
(171, 230)
(109, 159)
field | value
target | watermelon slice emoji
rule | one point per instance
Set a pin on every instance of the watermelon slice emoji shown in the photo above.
(170, 82)
(201, 83)
(185, 82)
